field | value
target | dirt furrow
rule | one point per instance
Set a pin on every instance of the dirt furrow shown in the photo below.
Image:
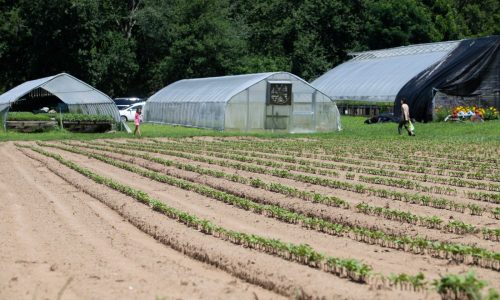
(272, 272)
(459, 198)
(352, 197)
(58, 241)
(349, 153)
(305, 206)
(386, 259)
(260, 154)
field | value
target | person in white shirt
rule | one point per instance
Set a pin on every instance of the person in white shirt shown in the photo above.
(405, 118)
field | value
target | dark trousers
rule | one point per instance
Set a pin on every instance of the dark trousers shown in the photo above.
(406, 125)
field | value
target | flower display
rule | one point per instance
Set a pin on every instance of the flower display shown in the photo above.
(465, 112)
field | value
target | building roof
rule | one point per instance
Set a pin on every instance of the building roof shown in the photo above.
(380, 74)
(64, 86)
(211, 89)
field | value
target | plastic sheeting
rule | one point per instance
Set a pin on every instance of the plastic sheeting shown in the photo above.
(378, 76)
(3, 115)
(471, 69)
(240, 103)
(79, 96)
(203, 90)
(14, 94)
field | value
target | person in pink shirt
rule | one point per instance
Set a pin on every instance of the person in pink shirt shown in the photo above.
(137, 121)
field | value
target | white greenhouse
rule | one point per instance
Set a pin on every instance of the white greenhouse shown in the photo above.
(76, 95)
(266, 101)
(379, 75)
(429, 76)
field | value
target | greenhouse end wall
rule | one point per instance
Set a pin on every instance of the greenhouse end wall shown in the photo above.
(246, 110)
(311, 111)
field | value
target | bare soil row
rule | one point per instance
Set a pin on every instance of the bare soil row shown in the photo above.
(380, 258)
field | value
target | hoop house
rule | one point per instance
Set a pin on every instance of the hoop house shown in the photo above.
(76, 94)
(454, 69)
(378, 76)
(252, 102)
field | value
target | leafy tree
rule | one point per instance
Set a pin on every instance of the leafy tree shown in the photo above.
(77, 37)
(392, 23)
(447, 20)
(138, 46)
(269, 31)
(112, 63)
(200, 41)
(13, 33)
(482, 17)
(325, 32)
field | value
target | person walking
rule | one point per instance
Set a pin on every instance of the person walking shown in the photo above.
(405, 118)
(137, 121)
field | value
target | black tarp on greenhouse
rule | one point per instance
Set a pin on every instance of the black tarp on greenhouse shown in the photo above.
(471, 69)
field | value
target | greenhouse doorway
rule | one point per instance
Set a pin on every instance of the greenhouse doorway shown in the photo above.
(278, 105)
(39, 101)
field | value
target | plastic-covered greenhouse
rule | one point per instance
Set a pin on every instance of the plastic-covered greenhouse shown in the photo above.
(379, 75)
(252, 102)
(78, 96)
(457, 69)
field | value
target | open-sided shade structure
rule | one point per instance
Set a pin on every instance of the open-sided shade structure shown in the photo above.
(76, 94)
(264, 101)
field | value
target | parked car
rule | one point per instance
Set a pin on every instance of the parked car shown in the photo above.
(128, 113)
(123, 103)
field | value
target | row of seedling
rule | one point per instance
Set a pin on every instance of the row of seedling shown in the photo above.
(391, 214)
(373, 171)
(302, 253)
(425, 200)
(457, 252)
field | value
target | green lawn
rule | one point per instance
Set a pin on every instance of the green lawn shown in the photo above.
(353, 128)
(460, 132)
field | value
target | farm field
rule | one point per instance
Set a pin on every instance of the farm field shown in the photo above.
(247, 217)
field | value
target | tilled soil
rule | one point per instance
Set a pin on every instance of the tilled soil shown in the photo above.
(271, 272)
(59, 242)
(355, 198)
(459, 197)
(302, 205)
(389, 260)
(71, 236)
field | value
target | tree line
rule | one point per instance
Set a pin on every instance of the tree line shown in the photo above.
(135, 47)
